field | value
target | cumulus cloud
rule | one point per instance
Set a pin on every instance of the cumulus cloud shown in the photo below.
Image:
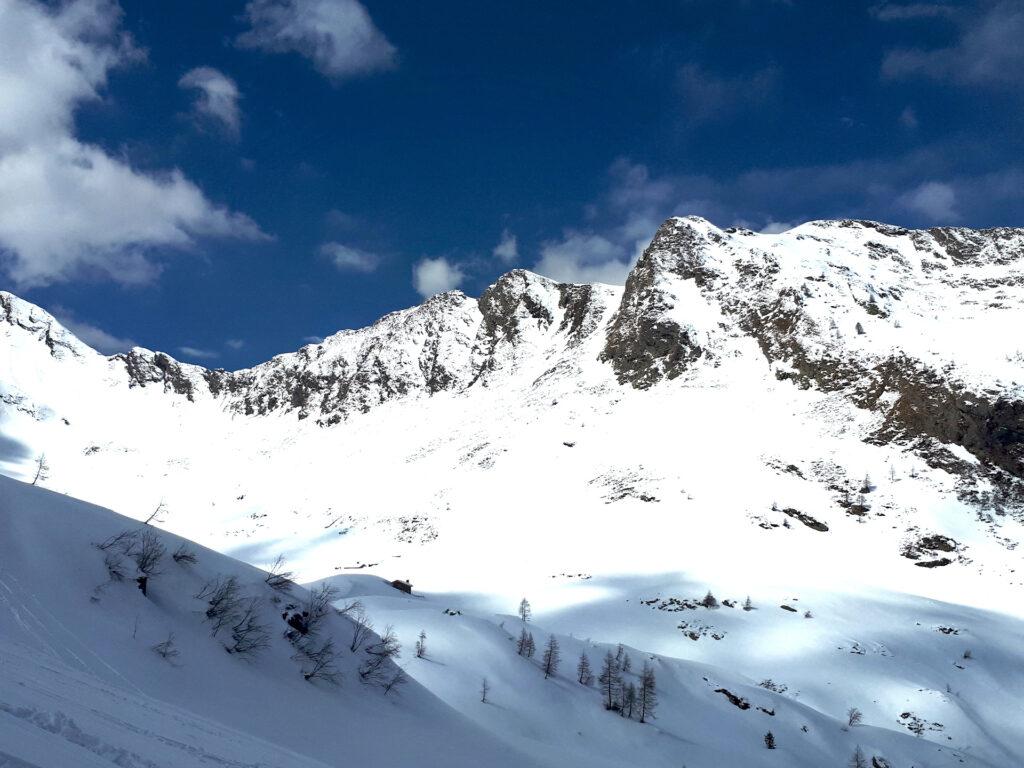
(338, 36)
(93, 335)
(199, 354)
(507, 249)
(67, 208)
(584, 258)
(988, 51)
(707, 96)
(351, 259)
(217, 97)
(433, 276)
(934, 200)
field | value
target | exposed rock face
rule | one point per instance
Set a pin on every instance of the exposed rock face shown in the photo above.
(648, 340)
(918, 326)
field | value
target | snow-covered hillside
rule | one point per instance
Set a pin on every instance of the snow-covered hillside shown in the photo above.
(83, 681)
(834, 413)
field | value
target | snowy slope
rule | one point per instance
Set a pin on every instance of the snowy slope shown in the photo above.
(880, 653)
(80, 683)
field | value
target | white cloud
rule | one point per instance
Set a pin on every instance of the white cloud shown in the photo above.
(585, 258)
(988, 52)
(201, 354)
(93, 335)
(338, 36)
(507, 249)
(934, 200)
(217, 98)
(313, 339)
(433, 276)
(776, 227)
(234, 343)
(348, 258)
(68, 209)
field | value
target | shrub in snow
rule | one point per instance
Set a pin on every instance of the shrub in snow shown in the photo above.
(248, 635)
(166, 649)
(278, 577)
(318, 660)
(184, 556)
(769, 740)
(147, 553)
(709, 601)
(396, 680)
(223, 597)
(362, 627)
(376, 666)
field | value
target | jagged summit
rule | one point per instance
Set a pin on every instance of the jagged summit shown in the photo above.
(915, 324)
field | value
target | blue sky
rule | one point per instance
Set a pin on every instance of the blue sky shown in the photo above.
(226, 180)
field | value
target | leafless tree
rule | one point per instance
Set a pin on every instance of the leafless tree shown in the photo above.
(747, 604)
(155, 514)
(362, 628)
(854, 716)
(857, 759)
(123, 541)
(648, 698)
(148, 553)
(485, 688)
(628, 701)
(609, 680)
(224, 598)
(524, 610)
(583, 672)
(552, 657)
(421, 645)
(320, 603)
(278, 577)
(42, 470)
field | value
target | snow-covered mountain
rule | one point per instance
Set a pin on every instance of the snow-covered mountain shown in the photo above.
(838, 408)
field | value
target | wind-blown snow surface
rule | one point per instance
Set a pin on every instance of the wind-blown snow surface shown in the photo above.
(714, 419)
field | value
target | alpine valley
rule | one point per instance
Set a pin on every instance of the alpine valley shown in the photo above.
(784, 471)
